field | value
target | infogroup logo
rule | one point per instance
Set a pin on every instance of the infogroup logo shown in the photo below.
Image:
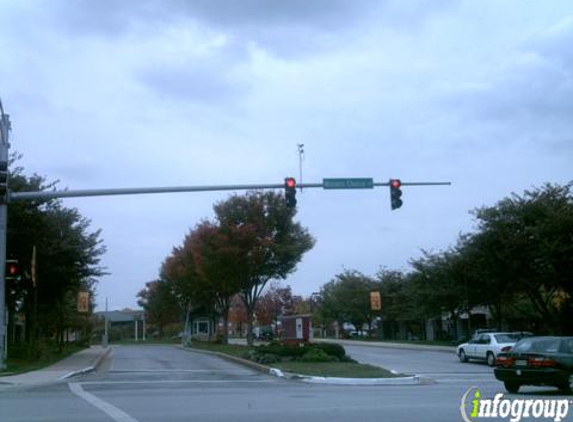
(474, 407)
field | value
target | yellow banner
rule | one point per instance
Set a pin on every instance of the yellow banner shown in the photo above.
(375, 301)
(83, 302)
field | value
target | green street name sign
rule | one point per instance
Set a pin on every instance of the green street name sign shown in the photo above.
(348, 183)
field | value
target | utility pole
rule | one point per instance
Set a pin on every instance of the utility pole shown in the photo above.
(300, 158)
(4, 146)
(105, 337)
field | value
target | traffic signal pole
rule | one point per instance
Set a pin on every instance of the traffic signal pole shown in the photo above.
(7, 197)
(4, 145)
(20, 196)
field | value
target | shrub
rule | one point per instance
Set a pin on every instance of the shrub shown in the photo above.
(282, 350)
(331, 349)
(250, 355)
(38, 351)
(268, 358)
(317, 355)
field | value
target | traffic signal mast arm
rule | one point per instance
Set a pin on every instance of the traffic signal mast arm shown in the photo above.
(22, 196)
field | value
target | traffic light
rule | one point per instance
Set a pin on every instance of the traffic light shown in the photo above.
(395, 193)
(12, 268)
(3, 178)
(290, 192)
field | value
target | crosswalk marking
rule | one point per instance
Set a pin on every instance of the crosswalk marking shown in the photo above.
(113, 412)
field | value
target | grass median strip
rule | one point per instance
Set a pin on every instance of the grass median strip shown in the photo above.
(229, 349)
(342, 367)
(334, 369)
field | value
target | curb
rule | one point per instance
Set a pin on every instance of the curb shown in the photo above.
(411, 380)
(90, 368)
(403, 346)
(253, 365)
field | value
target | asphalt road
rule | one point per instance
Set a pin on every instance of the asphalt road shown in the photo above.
(164, 383)
(440, 366)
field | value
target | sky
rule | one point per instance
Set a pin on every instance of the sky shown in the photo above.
(137, 93)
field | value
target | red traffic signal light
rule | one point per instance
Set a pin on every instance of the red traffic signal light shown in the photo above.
(12, 268)
(395, 183)
(395, 193)
(290, 192)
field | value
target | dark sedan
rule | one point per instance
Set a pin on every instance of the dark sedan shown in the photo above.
(537, 361)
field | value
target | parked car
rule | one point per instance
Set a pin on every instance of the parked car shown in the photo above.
(264, 333)
(537, 361)
(487, 346)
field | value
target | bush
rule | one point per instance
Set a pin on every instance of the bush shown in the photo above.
(282, 350)
(331, 349)
(250, 355)
(317, 355)
(38, 351)
(268, 358)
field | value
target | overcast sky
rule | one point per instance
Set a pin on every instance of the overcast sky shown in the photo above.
(181, 92)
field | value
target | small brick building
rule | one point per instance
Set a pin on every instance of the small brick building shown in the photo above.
(296, 328)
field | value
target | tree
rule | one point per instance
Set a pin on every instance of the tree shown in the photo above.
(275, 302)
(440, 285)
(180, 272)
(270, 244)
(402, 300)
(160, 304)
(238, 314)
(346, 298)
(67, 260)
(216, 261)
(524, 245)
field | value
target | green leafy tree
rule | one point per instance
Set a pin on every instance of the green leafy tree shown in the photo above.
(160, 304)
(180, 272)
(402, 300)
(440, 285)
(346, 298)
(67, 260)
(524, 247)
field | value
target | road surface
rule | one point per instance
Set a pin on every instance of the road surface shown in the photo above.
(165, 383)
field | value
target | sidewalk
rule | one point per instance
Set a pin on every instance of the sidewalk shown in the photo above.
(444, 349)
(79, 363)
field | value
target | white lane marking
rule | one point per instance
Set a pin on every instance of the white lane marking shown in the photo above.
(179, 382)
(113, 412)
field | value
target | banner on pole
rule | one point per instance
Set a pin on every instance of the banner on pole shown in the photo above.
(83, 301)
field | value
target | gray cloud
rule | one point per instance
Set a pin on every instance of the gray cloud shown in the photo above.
(284, 27)
(124, 93)
(529, 96)
(332, 15)
(195, 83)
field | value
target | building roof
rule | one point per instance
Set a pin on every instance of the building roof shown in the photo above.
(120, 316)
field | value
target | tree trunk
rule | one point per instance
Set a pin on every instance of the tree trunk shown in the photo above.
(225, 315)
(499, 315)
(250, 327)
